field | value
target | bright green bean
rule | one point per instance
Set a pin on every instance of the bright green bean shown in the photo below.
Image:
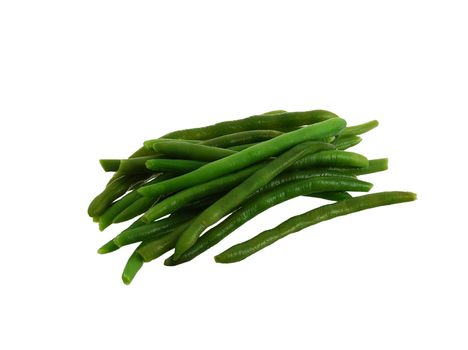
(245, 158)
(263, 201)
(238, 194)
(346, 142)
(134, 264)
(242, 138)
(375, 165)
(299, 222)
(111, 245)
(332, 158)
(360, 129)
(184, 150)
(153, 230)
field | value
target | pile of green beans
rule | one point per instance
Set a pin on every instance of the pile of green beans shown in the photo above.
(189, 189)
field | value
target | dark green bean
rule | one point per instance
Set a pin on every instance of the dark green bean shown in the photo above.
(111, 245)
(173, 165)
(238, 194)
(299, 222)
(245, 158)
(282, 122)
(263, 201)
(110, 164)
(184, 150)
(150, 250)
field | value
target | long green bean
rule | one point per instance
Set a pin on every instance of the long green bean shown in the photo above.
(245, 249)
(246, 157)
(238, 194)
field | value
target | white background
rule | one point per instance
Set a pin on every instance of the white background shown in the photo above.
(83, 80)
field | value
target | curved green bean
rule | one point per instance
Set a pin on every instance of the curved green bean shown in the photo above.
(375, 165)
(299, 222)
(246, 157)
(238, 194)
(346, 142)
(134, 264)
(282, 122)
(263, 201)
(360, 129)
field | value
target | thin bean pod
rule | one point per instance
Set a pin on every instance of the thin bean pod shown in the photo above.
(264, 201)
(238, 194)
(111, 245)
(150, 250)
(282, 122)
(375, 165)
(184, 150)
(346, 142)
(242, 138)
(246, 157)
(332, 158)
(242, 147)
(153, 230)
(173, 165)
(113, 191)
(299, 222)
(360, 129)
(333, 196)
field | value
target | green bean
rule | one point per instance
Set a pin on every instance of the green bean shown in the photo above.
(111, 245)
(290, 176)
(134, 264)
(245, 158)
(299, 222)
(150, 250)
(135, 165)
(242, 138)
(282, 122)
(184, 150)
(117, 207)
(221, 184)
(375, 165)
(173, 165)
(360, 129)
(242, 147)
(153, 230)
(140, 205)
(333, 196)
(346, 142)
(332, 158)
(238, 194)
(264, 201)
(110, 164)
(113, 191)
